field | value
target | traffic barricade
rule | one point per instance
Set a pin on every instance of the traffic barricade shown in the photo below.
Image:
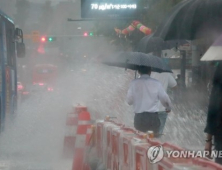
(79, 108)
(107, 147)
(206, 164)
(125, 149)
(83, 133)
(140, 148)
(194, 164)
(175, 163)
(115, 144)
(81, 148)
(115, 148)
(88, 146)
(70, 134)
(71, 129)
(99, 138)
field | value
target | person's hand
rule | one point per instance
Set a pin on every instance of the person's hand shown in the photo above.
(168, 110)
(208, 147)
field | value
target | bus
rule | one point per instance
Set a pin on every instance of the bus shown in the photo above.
(11, 47)
(45, 76)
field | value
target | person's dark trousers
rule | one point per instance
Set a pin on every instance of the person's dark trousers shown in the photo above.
(163, 118)
(218, 146)
(147, 121)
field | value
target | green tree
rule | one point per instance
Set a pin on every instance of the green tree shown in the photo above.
(22, 12)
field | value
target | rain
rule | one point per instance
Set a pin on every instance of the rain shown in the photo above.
(33, 137)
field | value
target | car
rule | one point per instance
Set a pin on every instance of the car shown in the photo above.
(20, 87)
(22, 91)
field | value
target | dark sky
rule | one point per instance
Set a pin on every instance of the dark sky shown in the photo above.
(53, 1)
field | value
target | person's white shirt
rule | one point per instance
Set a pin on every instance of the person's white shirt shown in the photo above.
(145, 93)
(167, 80)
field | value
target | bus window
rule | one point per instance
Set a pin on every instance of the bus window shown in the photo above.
(10, 46)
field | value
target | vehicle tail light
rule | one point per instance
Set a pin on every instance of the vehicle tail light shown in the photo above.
(25, 92)
(50, 89)
(20, 87)
(41, 84)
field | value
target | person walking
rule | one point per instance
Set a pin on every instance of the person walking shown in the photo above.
(168, 81)
(144, 94)
(213, 127)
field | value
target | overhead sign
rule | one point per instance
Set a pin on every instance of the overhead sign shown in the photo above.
(185, 47)
(35, 36)
(108, 8)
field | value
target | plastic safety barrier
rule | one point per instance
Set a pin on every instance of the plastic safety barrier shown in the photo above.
(173, 163)
(116, 145)
(70, 136)
(206, 165)
(99, 139)
(125, 149)
(71, 128)
(83, 133)
(122, 148)
(107, 144)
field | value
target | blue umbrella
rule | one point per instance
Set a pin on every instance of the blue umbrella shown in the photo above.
(150, 44)
(132, 60)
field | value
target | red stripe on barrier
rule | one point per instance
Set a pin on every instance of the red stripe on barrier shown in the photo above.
(84, 116)
(207, 164)
(99, 139)
(82, 129)
(78, 159)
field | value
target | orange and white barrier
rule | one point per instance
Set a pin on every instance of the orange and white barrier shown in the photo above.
(206, 165)
(139, 155)
(70, 136)
(125, 149)
(72, 123)
(117, 146)
(121, 148)
(99, 139)
(83, 134)
(107, 145)
(81, 146)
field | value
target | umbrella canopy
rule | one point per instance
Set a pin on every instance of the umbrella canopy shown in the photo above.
(214, 53)
(192, 19)
(132, 60)
(150, 44)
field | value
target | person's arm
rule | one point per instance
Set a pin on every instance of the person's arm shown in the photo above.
(164, 98)
(129, 98)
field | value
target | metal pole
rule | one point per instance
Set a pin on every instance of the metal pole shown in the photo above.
(100, 19)
(183, 68)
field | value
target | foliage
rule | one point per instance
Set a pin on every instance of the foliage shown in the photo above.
(22, 12)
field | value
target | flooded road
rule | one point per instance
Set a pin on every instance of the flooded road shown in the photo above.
(37, 132)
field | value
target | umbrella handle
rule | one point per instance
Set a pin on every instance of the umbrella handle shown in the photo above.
(127, 60)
